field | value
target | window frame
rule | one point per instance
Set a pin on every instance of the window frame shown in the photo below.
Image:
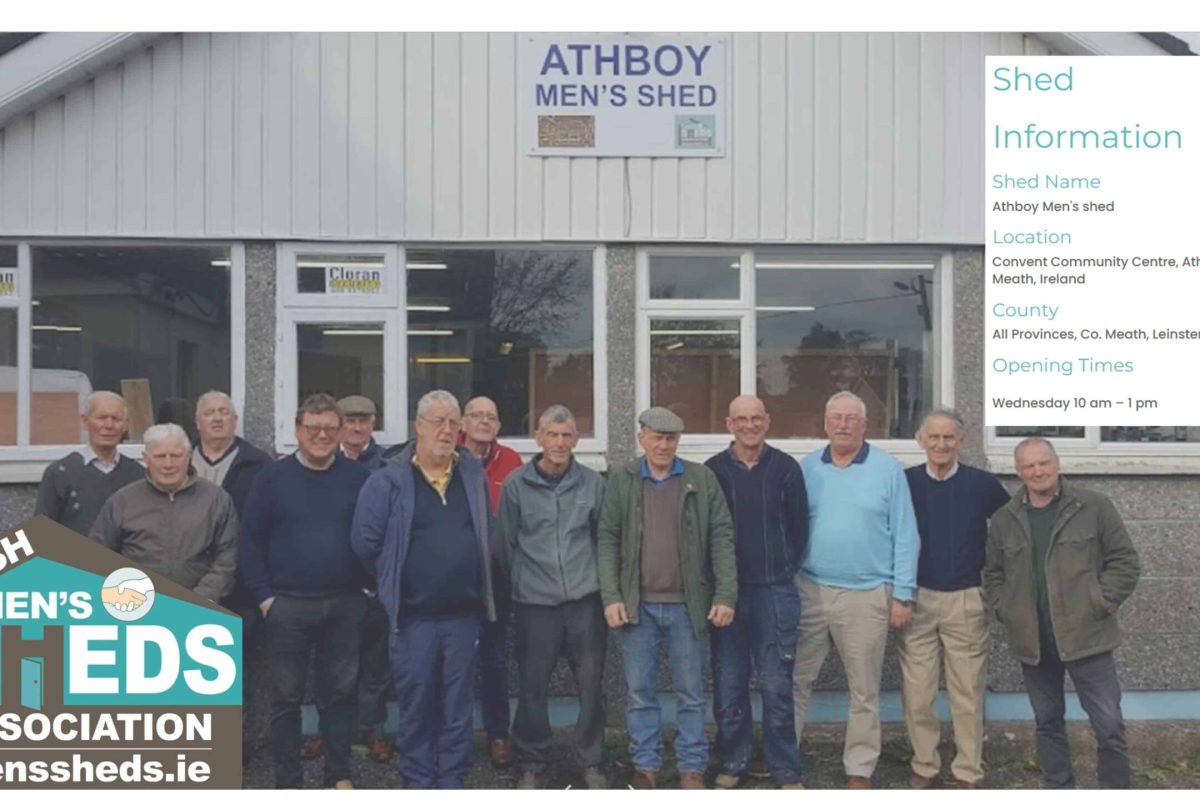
(702, 445)
(396, 411)
(1091, 456)
(24, 462)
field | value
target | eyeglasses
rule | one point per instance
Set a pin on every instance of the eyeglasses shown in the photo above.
(746, 422)
(316, 430)
(443, 422)
(482, 416)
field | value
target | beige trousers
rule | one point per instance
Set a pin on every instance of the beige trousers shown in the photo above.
(856, 623)
(953, 626)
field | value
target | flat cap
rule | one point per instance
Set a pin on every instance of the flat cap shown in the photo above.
(661, 419)
(356, 405)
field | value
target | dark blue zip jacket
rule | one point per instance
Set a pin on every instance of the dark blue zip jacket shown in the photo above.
(383, 519)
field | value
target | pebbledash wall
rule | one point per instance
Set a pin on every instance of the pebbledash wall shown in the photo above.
(843, 149)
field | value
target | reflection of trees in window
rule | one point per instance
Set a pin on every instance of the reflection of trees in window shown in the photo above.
(536, 293)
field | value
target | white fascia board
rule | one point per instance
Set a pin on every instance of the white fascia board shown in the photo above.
(49, 64)
(1102, 43)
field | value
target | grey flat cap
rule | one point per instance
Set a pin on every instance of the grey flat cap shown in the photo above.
(661, 419)
(355, 405)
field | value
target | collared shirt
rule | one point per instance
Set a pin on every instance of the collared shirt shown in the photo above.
(859, 458)
(742, 465)
(442, 482)
(676, 469)
(1025, 500)
(953, 471)
(90, 457)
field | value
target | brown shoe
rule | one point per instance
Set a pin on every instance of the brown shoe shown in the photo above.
(724, 781)
(961, 784)
(643, 779)
(381, 750)
(500, 752)
(918, 781)
(792, 786)
(312, 748)
(857, 782)
(691, 780)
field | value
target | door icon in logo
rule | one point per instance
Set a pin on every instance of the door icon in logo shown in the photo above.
(32, 692)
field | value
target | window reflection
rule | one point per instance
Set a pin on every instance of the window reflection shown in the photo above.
(694, 370)
(515, 325)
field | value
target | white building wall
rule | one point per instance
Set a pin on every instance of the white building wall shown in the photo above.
(835, 138)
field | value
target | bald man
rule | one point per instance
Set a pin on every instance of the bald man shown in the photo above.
(765, 491)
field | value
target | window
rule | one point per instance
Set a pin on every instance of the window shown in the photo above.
(793, 328)
(1164, 441)
(520, 325)
(158, 323)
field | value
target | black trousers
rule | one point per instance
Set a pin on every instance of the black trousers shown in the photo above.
(576, 629)
(1099, 691)
(294, 627)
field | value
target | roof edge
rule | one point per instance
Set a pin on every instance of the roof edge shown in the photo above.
(1105, 43)
(49, 64)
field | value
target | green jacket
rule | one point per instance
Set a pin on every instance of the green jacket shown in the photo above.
(1091, 567)
(707, 563)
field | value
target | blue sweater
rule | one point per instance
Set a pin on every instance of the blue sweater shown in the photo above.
(862, 531)
(296, 531)
(952, 516)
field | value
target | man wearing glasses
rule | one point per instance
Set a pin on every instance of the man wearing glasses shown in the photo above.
(480, 427)
(859, 573)
(765, 492)
(296, 559)
(421, 526)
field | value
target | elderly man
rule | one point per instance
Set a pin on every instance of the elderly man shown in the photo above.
(858, 576)
(953, 502)
(765, 490)
(358, 428)
(421, 527)
(549, 511)
(667, 570)
(75, 488)
(180, 526)
(298, 563)
(232, 463)
(480, 427)
(1059, 565)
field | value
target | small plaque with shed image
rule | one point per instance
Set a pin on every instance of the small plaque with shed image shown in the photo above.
(567, 130)
(695, 131)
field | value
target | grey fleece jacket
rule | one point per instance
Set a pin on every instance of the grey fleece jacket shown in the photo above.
(549, 533)
(188, 536)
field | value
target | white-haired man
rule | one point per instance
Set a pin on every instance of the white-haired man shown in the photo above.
(75, 488)
(953, 502)
(180, 526)
(421, 527)
(858, 575)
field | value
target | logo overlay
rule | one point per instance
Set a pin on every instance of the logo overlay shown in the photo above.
(111, 676)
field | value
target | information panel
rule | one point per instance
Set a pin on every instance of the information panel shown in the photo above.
(1092, 232)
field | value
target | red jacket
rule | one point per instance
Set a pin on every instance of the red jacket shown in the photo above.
(499, 463)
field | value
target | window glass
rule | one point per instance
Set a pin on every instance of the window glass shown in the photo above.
(1046, 432)
(340, 275)
(515, 325)
(824, 330)
(150, 323)
(694, 277)
(341, 359)
(8, 376)
(1169, 433)
(694, 370)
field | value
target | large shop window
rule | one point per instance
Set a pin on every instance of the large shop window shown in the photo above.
(792, 329)
(152, 322)
(517, 325)
(1162, 448)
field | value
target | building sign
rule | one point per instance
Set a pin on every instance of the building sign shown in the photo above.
(111, 676)
(353, 280)
(623, 95)
(8, 283)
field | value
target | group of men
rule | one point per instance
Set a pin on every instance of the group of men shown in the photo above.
(403, 568)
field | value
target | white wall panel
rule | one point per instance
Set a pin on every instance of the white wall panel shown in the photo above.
(418, 137)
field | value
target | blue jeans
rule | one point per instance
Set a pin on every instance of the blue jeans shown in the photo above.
(433, 664)
(643, 716)
(763, 630)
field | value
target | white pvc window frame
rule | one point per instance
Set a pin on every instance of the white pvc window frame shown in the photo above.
(24, 461)
(744, 309)
(293, 309)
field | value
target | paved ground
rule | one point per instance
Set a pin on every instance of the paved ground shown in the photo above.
(1166, 755)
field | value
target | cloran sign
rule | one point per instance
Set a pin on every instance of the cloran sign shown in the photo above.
(111, 676)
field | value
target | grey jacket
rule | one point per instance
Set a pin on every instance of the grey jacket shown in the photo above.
(549, 534)
(188, 536)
